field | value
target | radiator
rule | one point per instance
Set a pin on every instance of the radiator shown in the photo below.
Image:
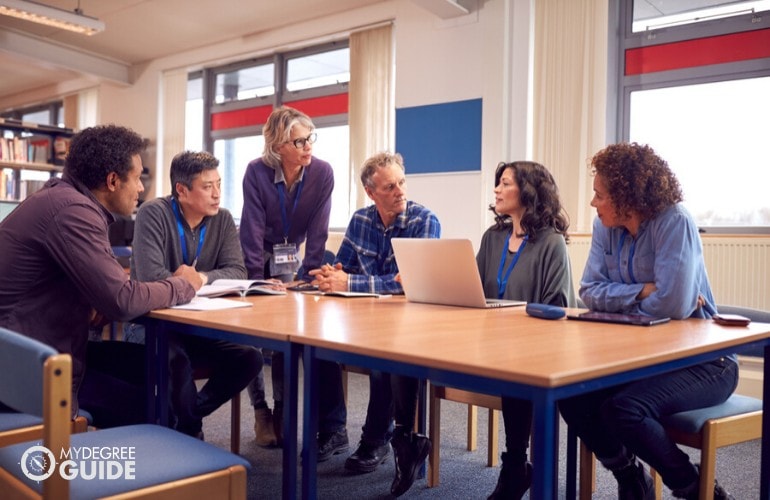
(738, 267)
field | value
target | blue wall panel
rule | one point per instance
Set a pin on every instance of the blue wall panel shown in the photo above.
(440, 138)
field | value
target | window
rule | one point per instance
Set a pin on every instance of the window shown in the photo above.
(229, 112)
(712, 131)
(318, 70)
(236, 154)
(696, 92)
(245, 83)
(193, 125)
(44, 114)
(654, 15)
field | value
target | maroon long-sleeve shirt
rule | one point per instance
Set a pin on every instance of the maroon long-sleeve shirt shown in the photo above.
(57, 266)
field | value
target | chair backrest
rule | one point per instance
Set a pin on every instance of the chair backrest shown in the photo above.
(757, 315)
(46, 391)
(22, 359)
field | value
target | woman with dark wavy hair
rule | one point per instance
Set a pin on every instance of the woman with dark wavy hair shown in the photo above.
(646, 258)
(523, 256)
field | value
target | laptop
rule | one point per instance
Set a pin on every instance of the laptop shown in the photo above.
(442, 271)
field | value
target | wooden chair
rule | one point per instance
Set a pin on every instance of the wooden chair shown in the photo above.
(167, 464)
(735, 421)
(18, 427)
(473, 400)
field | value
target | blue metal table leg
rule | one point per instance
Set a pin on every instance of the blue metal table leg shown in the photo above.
(291, 399)
(764, 474)
(545, 438)
(310, 424)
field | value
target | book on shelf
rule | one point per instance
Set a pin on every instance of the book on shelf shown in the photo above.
(221, 287)
(39, 148)
(61, 146)
(5, 149)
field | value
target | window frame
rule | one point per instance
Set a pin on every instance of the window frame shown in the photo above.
(55, 109)
(621, 86)
(280, 97)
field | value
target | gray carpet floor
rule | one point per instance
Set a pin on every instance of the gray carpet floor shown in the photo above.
(464, 474)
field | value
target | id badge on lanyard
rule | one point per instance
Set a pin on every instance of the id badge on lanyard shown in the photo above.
(285, 259)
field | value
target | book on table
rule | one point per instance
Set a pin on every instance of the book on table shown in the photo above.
(221, 287)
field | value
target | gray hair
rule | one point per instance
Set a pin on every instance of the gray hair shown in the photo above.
(377, 161)
(277, 131)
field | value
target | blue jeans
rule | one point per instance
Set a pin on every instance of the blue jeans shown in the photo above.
(378, 426)
(626, 419)
(332, 412)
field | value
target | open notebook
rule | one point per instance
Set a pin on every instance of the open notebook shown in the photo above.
(442, 271)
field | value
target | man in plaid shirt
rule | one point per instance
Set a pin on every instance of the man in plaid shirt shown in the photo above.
(365, 263)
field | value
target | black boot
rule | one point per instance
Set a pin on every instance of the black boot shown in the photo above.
(514, 480)
(409, 450)
(634, 483)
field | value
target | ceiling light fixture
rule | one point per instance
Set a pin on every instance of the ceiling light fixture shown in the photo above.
(51, 16)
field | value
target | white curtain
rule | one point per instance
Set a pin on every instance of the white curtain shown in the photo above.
(173, 97)
(371, 115)
(570, 93)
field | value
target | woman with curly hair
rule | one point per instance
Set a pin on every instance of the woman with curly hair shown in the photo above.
(524, 257)
(646, 258)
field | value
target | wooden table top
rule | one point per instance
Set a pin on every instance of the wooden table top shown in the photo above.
(504, 343)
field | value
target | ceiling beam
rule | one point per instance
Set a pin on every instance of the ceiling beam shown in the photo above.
(53, 54)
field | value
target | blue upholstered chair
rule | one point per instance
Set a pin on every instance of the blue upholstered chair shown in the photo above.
(735, 421)
(38, 381)
(16, 427)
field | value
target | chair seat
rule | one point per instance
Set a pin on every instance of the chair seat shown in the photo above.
(161, 455)
(692, 421)
(10, 420)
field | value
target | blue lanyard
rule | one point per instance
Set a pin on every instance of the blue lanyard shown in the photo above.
(630, 257)
(282, 199)
(502, 281)
(182, 239)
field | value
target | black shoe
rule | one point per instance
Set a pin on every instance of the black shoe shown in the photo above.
(514, 481)
(409, 451)
(332, 443)
(634, 483)
(692, 492)
(720, 493)
(367, 457)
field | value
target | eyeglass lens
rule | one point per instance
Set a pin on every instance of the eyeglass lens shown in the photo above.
(300, 143)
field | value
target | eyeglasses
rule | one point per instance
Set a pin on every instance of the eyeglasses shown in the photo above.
(300, 143)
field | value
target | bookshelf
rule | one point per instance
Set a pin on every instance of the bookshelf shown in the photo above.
(29, 147)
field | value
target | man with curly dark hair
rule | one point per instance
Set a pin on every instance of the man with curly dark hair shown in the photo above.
(60, 276)
(646, 258)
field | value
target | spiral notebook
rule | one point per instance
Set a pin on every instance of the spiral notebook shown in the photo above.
(442, 271)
